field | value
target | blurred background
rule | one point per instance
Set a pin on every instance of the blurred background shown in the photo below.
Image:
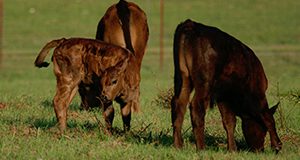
(262, 24)
(266, 26)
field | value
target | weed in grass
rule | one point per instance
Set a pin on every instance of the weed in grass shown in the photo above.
(294, 96)
(164, 98)
(145, 135)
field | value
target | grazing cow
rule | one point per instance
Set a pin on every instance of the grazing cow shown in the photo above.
(78, 60)
(124, 24)
(221, 69)
(121, 83)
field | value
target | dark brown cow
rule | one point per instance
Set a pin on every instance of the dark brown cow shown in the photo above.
(78, 60)
(124, 24)
(221, 69)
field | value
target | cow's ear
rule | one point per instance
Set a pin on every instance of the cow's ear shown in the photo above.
(274, 108)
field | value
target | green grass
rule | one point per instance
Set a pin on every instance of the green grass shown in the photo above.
(27, 123)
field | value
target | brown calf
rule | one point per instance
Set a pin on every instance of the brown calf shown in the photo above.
(78, 60)
(221, 69)
(124, 24)
(121, 83)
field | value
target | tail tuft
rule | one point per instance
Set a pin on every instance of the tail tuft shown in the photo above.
(43, 64)
(181, 30)
(39, 61)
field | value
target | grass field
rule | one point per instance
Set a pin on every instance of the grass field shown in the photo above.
(27, 123)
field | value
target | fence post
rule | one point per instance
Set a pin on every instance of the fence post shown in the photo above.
(161, 35)
(1, 30)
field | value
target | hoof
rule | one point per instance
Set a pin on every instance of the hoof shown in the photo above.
(277, 148)
(178, 143)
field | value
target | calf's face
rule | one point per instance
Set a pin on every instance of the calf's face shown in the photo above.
(112, 80)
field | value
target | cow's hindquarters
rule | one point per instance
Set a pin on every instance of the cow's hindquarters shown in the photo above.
(68, 76)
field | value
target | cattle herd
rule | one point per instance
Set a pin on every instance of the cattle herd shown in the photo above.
(219, 68)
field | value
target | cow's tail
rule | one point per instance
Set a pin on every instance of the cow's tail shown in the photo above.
(124, 16)
(39, 61)
(177, 49)
(100, 30)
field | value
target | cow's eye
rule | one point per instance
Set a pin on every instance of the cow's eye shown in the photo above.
(114, 81)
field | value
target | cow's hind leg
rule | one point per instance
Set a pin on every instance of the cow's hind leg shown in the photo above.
(229, 123)
(198, 107)
(68, 76)
(65, 91)
(179, 105)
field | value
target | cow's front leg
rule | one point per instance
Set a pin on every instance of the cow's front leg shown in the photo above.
(126, 116)
(125, 112)
(108, 114)
(229, 123)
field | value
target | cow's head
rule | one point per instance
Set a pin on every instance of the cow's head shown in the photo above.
(255, 130)
(254, 133)
(112, 80)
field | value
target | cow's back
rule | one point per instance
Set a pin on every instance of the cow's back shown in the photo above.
(93, 55)
(209, 55)
(237, 68)
(110, 29)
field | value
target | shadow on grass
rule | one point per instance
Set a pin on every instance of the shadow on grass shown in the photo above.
(216, 142)
(165, 139)
(141, 136)
(45, 124)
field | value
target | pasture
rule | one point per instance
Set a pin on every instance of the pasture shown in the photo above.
(27, 121)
